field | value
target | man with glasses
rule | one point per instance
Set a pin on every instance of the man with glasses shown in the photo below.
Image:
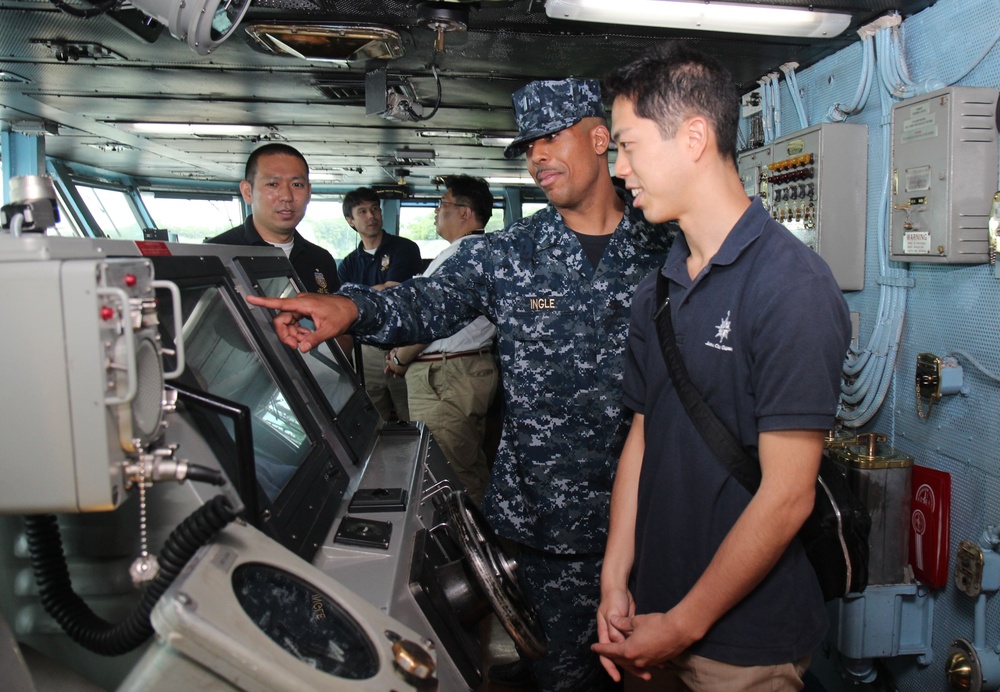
(558, 286)
(450, 382)
(380, 260)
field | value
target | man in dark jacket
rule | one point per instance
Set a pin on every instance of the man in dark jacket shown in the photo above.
(276, 186)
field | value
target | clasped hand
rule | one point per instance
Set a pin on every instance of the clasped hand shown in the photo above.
(636, 642)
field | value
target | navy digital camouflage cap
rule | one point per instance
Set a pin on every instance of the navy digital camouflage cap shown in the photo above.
(544, 107)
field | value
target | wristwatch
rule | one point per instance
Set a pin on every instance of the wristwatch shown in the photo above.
(396, 361)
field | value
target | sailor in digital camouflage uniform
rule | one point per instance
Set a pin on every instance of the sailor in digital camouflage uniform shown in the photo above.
(559, 286)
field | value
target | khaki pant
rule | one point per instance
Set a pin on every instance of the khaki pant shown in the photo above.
(387, 392)
(452, 397)
(688, 672)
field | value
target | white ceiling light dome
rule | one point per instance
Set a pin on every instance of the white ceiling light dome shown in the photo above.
(204, 24)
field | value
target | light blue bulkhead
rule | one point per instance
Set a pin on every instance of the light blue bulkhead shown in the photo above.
(949, 309)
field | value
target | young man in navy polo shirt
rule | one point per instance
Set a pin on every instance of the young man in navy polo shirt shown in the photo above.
(380, 260)
(722, 596)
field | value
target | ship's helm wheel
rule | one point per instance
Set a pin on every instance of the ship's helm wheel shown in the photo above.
(496, 574)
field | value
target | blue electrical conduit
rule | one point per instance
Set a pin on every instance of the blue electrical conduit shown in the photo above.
(889, 72)
(863, 398)
(895, 41)
(880, 348)
(776, 100)
(793, 89)
(884, 345)
(976, 364)
(861, 356)
(838, 112)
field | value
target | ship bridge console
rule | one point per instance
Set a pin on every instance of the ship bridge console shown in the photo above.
(355, 560)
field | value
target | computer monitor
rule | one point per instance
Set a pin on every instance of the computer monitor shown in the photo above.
(350, 409)
(296, 481)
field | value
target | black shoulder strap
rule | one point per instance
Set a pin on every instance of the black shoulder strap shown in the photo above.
(723, 443)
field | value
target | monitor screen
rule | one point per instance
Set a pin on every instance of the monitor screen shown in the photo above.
(331, 375)
(297, 478)
(351, 411)
(223, 362)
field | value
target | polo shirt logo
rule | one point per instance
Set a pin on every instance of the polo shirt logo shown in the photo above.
(723, 327)
(385, 262)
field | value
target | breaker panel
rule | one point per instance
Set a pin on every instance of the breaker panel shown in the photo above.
(814, 183)
(752, 167)
(944, 174)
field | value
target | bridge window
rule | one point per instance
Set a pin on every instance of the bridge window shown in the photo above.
(67, 226)
(416, 222)
(529, 208)
(324, 224)
(193, 217)
(112, 211)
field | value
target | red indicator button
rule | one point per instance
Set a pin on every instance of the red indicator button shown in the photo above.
(107, 313)
(130, 280)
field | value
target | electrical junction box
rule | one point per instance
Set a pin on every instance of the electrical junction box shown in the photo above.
(84, 389)
(752, 167)
(944, 175)
(814, 183)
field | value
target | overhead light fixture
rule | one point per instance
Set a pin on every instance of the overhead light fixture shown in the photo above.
(7, 76)
(325, 176)
(196, 129)
(204, 24)
(328, 42)
(509, 180)
(491, 141)
(36, 128)
(769, 20)
(447, 134)
(406, 154)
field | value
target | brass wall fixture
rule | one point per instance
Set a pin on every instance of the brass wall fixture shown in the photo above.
(934, 378)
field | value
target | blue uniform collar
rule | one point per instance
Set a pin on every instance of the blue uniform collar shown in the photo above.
(554, 236)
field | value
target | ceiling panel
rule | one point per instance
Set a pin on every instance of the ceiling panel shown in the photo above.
(133, 70)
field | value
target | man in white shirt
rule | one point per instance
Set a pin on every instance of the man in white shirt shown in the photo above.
(451, 382)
